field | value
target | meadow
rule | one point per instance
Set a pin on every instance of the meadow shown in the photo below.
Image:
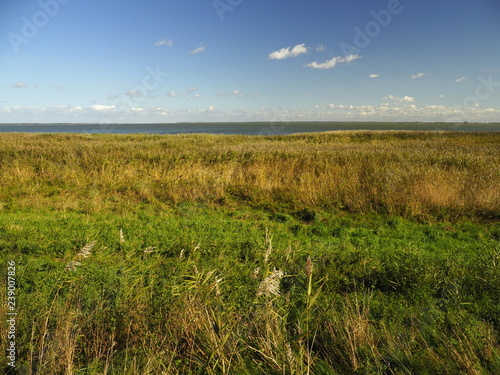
(362, 252)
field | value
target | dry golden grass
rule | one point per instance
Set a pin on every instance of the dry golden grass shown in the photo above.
(408, 173)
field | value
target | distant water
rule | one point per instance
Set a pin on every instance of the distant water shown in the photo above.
(246, 128)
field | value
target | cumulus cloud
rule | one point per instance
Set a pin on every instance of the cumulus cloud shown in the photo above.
(407, 99)
(102, 108)
(406, 112)
(172, 94)
(458, 80)
(391, 111)
(404, 99)
(418, 75)
(202, 48)
(374, 75)
(285, 53)
(333, 62)
(164, 42)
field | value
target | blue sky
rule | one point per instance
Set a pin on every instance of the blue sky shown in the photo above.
(249, 60)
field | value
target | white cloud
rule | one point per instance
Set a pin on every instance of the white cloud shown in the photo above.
(197, 96)
(460, 79)
(393, 111)
(441, 96)
(238, 94)
(333, 62)
(102, 108)
(418, 75)
(20, 85)
(202, 48)
(405, 112)
(320, 48)
(176, 94)
(165, 42)
(134, 93)
(404, 99)
(75, 111)
(285, 53)
(407, 99)
(374, 75)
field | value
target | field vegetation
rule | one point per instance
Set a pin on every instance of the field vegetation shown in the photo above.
(328, 253)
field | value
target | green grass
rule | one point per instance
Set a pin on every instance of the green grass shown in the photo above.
(180, 290)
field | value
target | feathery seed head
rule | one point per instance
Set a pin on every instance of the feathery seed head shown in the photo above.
(71, 266)
(122, 237)
(256, 272)
(85, 251)
(271, 284)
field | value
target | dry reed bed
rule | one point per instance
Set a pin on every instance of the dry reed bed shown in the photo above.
(408, 173)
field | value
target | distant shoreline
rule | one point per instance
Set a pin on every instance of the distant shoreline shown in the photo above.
(243, 128)
(251, 122)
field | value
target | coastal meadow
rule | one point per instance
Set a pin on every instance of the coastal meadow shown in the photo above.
(330, 253)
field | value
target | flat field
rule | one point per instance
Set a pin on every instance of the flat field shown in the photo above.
(330, 253)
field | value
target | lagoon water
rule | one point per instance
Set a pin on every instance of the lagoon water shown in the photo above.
(245, 128)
